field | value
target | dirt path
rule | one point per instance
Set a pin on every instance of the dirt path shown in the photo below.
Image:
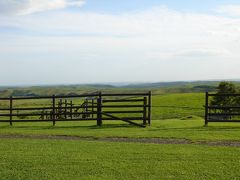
(122, 139)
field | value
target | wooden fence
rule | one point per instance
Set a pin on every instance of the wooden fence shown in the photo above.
(126, 107)
(223, 112)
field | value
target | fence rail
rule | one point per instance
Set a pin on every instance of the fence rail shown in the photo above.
(84, 107)
(221, 113)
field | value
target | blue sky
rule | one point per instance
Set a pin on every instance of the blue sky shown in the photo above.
(113, 6)
(93, 41)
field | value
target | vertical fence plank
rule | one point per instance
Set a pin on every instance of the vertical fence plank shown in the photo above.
(92, 108)
(149, 107)
(86, 106)
(99, 110)
(10, 108)
(145, 111)
(65, 110)
(71, 107)
(53, 110)
(206, 109)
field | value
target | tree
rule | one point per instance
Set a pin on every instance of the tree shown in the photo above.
(225, 88)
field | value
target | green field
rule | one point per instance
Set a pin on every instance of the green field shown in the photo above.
(191, 129)
(51, 159)
(180, 105)
(36, 156)
(188, 150)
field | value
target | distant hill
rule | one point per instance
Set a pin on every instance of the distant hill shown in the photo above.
(172, 84)
(157, 88)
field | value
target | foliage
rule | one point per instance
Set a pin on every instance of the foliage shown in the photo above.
(225, 88)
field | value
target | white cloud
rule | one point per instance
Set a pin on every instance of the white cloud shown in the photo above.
(155, 44)
(232, 10)
(23, 7)
(189, 53)
(158, 29)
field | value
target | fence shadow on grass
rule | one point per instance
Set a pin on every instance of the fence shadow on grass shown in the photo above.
(199, 128)
(121, 125)
(105, 126)
(47, 127)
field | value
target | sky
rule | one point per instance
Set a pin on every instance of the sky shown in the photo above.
(103, 41)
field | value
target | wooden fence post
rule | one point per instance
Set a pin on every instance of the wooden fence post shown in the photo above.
(144, 111)
(149, 107)
(65, 110)
(206, 109)
(71, 107)
(10, 108)
(99, 110)
(86, 108)
(53, 110)
(59, 109)
(92, 107)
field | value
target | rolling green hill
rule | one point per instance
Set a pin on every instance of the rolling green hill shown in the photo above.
(157, 88)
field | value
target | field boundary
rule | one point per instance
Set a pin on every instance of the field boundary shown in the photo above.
(126, 107)
(222, 112)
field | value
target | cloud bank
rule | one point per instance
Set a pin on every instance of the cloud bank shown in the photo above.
(157, 44)
(24, 7)
(232, 10)
(157, 29)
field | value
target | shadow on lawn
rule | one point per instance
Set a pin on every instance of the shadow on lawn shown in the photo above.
(199, 128)
(119, 126)
(105, 126)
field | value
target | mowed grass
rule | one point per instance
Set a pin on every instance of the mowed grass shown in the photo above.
(61, 159)
(192, 129)
(177, 116)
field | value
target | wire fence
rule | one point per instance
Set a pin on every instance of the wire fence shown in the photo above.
(179, 107)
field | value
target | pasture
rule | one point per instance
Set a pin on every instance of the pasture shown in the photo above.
(175, 146)
(191, 129)
(61, 159)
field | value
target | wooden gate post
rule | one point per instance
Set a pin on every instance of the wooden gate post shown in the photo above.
(71, 109)
(92, 108)
(145, 111)
(99, 110)
(65, 108)
(149, 107)
(53, 110)
(206, 109)
(10, 108)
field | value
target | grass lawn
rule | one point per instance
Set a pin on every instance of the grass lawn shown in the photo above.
(78, 159)
(31, 158)
(165, 106)
(191, 129)
(61, 159)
